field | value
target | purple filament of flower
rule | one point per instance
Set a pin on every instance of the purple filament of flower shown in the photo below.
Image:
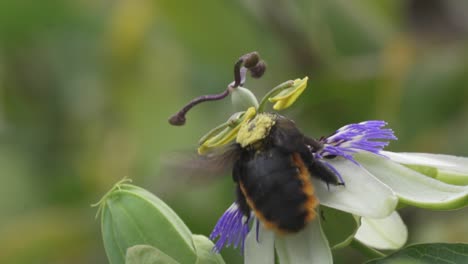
(364, 136)
(231, 229)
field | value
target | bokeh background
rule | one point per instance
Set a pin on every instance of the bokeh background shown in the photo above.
(86, 88)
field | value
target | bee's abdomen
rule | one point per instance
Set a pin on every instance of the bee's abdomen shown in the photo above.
(277, 187)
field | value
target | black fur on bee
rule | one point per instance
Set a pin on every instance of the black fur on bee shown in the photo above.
(273, 175)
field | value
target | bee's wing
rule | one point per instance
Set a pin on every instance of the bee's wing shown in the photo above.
(191, 167)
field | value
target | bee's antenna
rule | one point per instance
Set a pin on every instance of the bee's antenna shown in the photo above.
(248, 62)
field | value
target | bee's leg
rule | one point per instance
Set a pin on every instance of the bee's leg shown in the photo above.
(320, 170)
(314, 144)
(322, 215)
(327, 174)
(236, 171)
(241, 202)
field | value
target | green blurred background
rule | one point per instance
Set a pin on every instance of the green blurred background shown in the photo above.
(86, 88)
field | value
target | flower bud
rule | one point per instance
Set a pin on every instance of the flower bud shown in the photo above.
(243, 98)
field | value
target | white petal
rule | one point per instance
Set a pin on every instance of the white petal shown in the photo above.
(452, 167)
(261, 252)
(362, 194)
(308, 246)
(413, 187)
(386, 233)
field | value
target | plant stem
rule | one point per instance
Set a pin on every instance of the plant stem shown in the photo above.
(365, 250)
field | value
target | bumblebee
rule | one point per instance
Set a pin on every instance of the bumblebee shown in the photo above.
(273, 166)
(272, 161)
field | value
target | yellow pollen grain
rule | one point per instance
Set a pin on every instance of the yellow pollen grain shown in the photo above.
(255, 130)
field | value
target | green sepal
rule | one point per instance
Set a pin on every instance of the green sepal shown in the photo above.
(412, 187)
(449, 177)
(446, 168)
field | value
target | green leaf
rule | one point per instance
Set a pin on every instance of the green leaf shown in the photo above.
(427, 253)
(144, 254)
(339, 227)
(133, 216)
(205, 254)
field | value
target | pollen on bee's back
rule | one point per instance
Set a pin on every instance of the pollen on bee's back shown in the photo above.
(255, 130)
